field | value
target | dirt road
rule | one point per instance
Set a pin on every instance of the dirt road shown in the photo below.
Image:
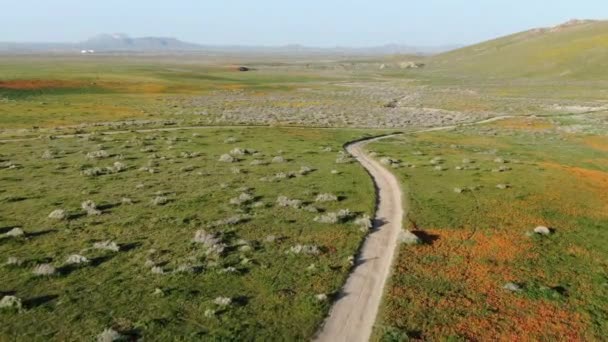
(352, 316)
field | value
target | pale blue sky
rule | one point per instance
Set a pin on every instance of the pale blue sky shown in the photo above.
(279, 22)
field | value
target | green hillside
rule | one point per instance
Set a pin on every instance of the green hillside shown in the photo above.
(574, 50)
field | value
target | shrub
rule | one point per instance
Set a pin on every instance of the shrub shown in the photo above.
(226, 158)
(241, 199)
(107, 245)
(14, 261)
(11, 303)
(109, 335)
(58, 214)
(44, 270)
(212, 243)
(283, 201)
(15, 232)
(90, 207)
(222, 301)
(160, 200)
(305, 249)
(117, 167)
(364, 222)
(278, 159)
(326, 197)
(230, 221)
(343, 158)
(304, 170)
(238, 152)
(98, 154)
(94, 171)
(76, 259)
(230, 140)
(332, 218)
(48, 154)
(157, 270)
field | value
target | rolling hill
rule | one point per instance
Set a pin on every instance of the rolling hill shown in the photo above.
(577, 49)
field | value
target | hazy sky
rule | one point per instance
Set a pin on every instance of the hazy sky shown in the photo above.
(279, 22)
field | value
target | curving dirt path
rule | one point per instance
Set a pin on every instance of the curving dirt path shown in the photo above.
(352, 317)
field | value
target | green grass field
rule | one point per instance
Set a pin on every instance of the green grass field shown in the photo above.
(476, 223)
(272, 285)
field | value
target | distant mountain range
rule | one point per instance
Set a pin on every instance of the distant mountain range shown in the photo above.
(122, 43)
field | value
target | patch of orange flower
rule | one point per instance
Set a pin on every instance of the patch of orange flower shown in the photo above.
(39, 84)
(527, 124)
(478, 308)
(597, 142)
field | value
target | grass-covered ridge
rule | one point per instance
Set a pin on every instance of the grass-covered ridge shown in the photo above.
(572, 51)
(221, 233)
(475, 196)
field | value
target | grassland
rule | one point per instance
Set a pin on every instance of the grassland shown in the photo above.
(476, 194)
(270, 261)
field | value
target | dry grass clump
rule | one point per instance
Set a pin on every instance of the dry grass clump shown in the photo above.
(44, 270)
(107, 245)
(58, 214)
(335, 217)
(326, 197)
(284, 201)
